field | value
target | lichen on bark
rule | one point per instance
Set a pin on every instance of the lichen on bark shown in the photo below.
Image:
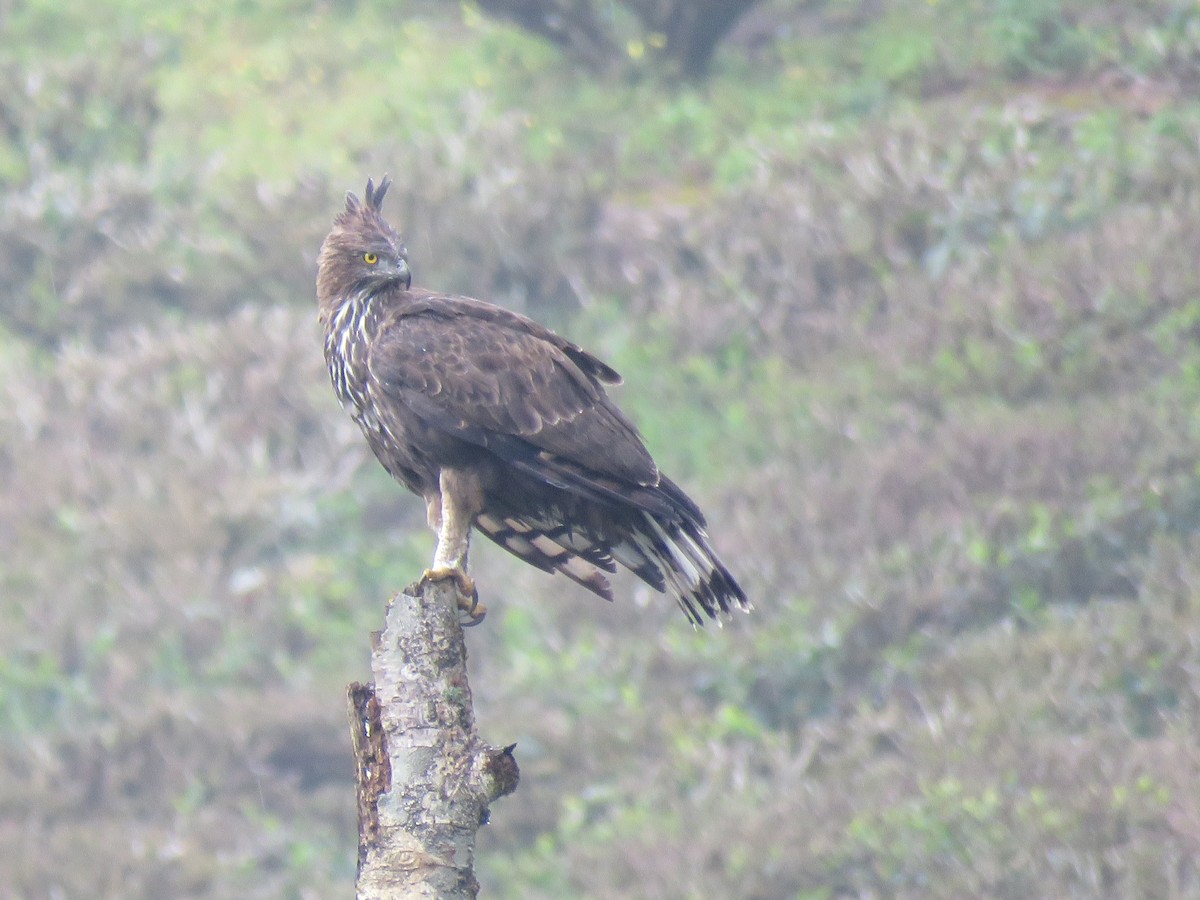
(426, 778)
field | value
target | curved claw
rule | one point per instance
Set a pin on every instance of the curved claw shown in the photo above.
(473, 611)
(468, 595)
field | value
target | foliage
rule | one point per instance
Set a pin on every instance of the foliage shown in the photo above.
(905, 293)
(680, 36)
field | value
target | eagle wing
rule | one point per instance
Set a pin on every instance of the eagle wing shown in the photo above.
(495, 379)
(486, 377)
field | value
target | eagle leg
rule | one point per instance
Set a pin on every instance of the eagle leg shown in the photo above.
(468, 596)
(453, 512)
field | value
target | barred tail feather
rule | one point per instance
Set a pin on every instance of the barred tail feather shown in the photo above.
(671, 555)
(699, 580)
(544, 547)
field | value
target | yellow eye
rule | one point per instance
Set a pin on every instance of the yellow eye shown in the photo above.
(370, 258)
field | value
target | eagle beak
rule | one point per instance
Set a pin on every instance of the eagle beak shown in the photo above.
(403, 274)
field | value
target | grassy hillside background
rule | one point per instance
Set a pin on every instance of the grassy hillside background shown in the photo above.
(906, 294)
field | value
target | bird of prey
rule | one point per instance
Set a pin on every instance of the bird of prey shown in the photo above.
(502, 425)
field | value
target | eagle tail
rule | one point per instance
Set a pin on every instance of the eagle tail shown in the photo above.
(671, 555)
(552, 549)
(687, 563)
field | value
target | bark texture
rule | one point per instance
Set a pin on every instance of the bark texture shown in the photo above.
(425, 777)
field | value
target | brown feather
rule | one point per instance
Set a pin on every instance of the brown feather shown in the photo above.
(560, 476)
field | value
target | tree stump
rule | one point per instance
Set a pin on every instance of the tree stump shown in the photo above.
(425, 778)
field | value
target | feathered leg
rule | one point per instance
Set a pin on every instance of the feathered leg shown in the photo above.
(460, 501)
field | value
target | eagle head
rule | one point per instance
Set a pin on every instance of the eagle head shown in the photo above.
(362, 254)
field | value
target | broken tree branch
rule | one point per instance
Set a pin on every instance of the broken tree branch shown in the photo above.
(425, 778)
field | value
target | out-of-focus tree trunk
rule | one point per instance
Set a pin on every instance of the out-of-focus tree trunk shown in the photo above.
(425, 777)
(693, 28)
(684, 34)
(571, 25)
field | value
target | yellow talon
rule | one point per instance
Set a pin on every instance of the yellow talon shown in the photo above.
(468, 595)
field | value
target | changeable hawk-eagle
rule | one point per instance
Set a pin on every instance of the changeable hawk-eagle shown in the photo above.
(503, 425)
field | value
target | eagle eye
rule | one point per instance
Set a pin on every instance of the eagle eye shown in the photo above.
(370, 258)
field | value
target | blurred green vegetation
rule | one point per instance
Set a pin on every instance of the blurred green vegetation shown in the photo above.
(906, 293)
